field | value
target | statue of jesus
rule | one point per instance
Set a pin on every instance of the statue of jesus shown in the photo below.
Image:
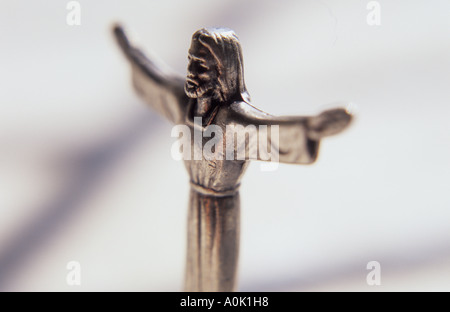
(214, 92)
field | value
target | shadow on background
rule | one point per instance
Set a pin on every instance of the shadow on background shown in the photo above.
(90, 169)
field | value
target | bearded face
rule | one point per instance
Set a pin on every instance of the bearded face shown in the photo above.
(202, 73)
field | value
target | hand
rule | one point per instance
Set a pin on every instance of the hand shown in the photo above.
(121, 37)
(328, 122)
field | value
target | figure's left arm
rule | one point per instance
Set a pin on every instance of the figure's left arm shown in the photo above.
(298, 137)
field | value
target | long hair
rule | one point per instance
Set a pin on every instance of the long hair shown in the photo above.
(225, 47)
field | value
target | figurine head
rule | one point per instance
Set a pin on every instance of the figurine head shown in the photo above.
(215, 66)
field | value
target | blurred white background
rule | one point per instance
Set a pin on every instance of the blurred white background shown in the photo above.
(86, 172)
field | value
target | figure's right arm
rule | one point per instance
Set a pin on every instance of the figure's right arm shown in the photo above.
(163, 90)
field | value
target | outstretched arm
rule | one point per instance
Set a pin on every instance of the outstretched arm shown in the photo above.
(162, 89)
(297, 139)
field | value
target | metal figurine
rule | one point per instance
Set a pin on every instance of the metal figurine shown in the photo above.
(214, 90)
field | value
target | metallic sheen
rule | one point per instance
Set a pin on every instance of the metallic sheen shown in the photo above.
(214, 89)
